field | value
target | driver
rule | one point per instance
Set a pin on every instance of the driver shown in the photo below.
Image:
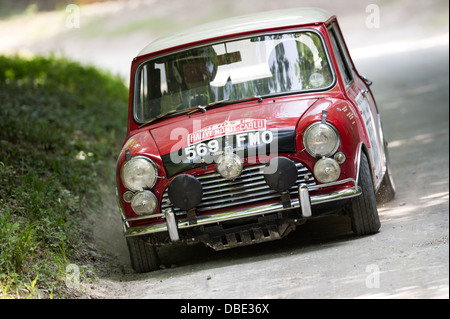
(197, 78)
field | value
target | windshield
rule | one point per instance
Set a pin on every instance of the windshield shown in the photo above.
(235, 70)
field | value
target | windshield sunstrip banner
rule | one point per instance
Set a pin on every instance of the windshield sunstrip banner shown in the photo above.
(226, 128)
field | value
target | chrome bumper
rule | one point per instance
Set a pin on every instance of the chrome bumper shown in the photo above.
(304, 202)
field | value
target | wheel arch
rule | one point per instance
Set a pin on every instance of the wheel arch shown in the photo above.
(362, 147)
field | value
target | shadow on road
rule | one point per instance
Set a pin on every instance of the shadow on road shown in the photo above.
(314, 235)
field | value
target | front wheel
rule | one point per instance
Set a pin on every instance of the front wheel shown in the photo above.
(363, 209)
(143, 255)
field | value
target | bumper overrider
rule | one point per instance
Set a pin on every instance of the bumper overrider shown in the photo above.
(302, 205)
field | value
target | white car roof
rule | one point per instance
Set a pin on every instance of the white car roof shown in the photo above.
(250, 22)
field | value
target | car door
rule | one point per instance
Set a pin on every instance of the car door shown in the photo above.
(357, 89)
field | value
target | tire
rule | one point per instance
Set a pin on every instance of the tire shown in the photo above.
(363, 209)
(387, 190)
(143, 255)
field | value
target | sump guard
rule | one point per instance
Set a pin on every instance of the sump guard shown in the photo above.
(266, 229)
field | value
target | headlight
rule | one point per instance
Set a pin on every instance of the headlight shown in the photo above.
(229, 165)
(321, 139)
(139, 173)
(144, 203)
(327, 170)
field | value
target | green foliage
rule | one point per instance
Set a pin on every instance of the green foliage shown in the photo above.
(60, 123)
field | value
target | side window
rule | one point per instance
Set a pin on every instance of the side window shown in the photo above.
(341, 55)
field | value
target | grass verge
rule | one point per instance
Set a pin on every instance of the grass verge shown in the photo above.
(60, 125)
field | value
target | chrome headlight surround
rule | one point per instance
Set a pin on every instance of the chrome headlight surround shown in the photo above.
(138, 173)
(321, 139)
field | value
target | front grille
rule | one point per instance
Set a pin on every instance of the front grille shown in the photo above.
(249, 187)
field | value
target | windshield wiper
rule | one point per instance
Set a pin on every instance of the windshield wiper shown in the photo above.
(200, 108)
(176, 113)
(204, 108)
(222, 103)
(160, 117)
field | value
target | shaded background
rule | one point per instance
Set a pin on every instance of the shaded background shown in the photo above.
(111, 33)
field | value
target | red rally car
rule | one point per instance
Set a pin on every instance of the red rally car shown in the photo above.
(242, 129)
